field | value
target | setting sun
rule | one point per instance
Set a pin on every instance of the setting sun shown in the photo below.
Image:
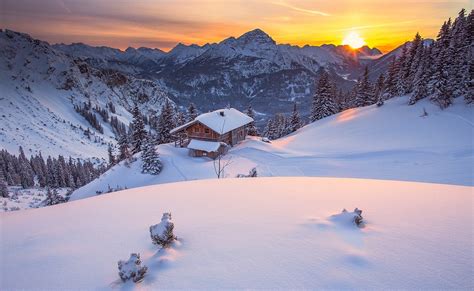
(354, 40)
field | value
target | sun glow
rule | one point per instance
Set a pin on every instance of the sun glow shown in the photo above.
(354, 40)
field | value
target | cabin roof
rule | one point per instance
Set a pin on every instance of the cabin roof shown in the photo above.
(221, 121)
(207, 146)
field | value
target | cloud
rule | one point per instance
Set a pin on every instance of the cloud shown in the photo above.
(299, 9)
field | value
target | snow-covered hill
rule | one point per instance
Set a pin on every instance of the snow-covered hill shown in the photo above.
(389, 142)
(255, 233)
(39, 88)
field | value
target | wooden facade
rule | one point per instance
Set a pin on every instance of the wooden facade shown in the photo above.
(200, 131)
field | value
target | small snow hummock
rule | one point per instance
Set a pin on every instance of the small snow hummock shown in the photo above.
(162, 233)
(349, 218)
(132, 269)
(252, 174)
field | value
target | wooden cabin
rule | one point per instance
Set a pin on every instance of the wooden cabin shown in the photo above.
(211, 134)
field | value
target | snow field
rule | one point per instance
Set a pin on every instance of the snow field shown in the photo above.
(236, 233)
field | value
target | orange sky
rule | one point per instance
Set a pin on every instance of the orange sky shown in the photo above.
(162, 24)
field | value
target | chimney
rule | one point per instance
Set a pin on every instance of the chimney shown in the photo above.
(221, 113)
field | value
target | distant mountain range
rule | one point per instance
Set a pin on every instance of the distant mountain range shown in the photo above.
(252, 68)
(40, 84)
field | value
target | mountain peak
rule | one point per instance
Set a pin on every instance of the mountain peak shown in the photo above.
(256, 35)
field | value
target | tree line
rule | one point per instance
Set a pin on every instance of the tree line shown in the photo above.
(51, 172)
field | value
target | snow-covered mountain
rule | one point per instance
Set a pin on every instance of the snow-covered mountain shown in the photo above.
(40, 87)
(251, 68)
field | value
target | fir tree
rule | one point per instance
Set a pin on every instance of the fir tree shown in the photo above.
(442, 95)
(391, 80)
(379, 90)
(110, 152)
(151, 163)
(3, 185)
(139, 133)
(166, 123)
(323, 104)
(415, 55)
(403, 72)
(295, 120)
(468, 80)
(251, 128)
(364, 93)
(123, 148)
(53, 198)
(180, 119)
(421, 78)
(192, 112)
(440, 80)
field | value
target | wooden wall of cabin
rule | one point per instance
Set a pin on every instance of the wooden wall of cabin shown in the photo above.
(200, 131)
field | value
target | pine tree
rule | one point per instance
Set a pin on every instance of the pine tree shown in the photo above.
(251, 128)
(468, 81)
(443, 95)
(151, 163)
(3, 185)
(53, 198)
(421, 78)
(364, 93)
(391, 80)
(123, 148)
(192, 112)
(295, 120)
(379, 90)
(441, 78)
(110, 151)
(25, 170)
(166, 123)
(415, 56)
(323, 104)
(180, 119)
(403, 72)
(139, 133)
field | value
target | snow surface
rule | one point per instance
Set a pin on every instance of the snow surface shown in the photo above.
(389, 142)
(256, 233)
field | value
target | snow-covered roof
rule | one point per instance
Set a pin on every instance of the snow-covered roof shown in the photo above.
(207, 146)
(220, 121)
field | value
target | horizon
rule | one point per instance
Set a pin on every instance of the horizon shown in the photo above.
(149, 24)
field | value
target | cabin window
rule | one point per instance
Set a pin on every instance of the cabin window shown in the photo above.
(206, 130)
(196, 129)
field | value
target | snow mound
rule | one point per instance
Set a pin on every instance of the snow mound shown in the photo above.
(348, 219)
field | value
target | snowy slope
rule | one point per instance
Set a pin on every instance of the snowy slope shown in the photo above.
(255, 233)
(39, 87)
(389, 142)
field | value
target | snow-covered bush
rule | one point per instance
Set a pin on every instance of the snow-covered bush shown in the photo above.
(252, 174)
(349, 218)
(162, 233)
(53, 198)
(132, 269)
